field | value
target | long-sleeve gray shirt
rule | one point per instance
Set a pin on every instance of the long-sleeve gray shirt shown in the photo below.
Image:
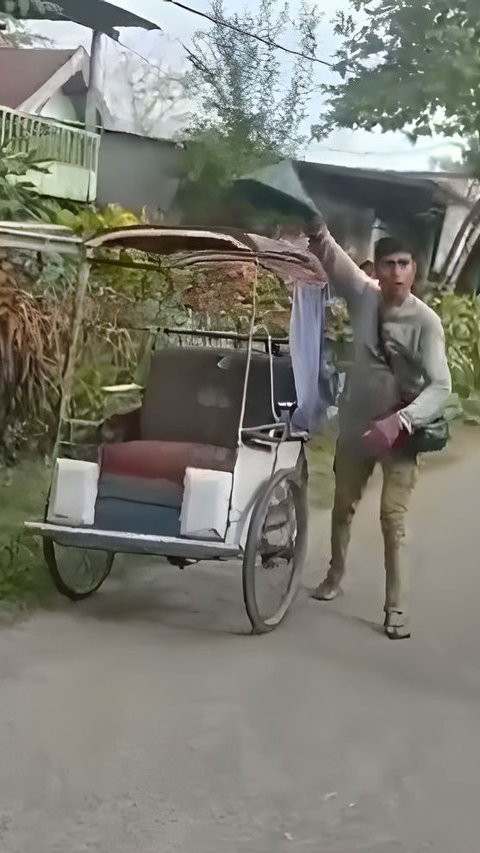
(416, 377)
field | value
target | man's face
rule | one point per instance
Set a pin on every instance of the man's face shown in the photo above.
(396, 274)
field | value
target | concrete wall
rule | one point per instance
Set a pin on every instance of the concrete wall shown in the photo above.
(59, 107)
(137, 172)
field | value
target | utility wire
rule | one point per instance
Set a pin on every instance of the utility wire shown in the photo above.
(222, 23)
(404, 152)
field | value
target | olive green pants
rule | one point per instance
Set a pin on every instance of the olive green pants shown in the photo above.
(399, 478)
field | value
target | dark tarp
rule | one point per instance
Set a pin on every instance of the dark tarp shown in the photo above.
(278, 188)
(94, 14)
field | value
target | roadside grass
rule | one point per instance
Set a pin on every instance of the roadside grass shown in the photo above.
(24, 579)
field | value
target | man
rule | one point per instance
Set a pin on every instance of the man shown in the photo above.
(399, 382)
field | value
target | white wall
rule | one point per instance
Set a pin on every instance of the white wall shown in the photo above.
(59, 107)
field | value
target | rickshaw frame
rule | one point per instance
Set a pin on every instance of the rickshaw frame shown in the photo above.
(201, 247)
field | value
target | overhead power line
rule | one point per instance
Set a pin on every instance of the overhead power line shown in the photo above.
(403, 152)
(228, 25)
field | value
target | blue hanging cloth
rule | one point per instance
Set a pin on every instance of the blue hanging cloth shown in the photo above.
(314, 380)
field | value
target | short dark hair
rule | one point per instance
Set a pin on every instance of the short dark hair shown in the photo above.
(367, 266)
(392, 246)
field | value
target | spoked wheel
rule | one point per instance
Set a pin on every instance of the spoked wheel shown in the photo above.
(275, 549)
(77, 572)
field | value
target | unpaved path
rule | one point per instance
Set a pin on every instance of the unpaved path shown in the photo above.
(147, 721)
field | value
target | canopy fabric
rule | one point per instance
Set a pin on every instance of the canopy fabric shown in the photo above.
(188, 247)
(214, 247)
(278, 187)
(163, 240)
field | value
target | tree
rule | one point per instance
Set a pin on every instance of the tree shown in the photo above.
(251, 104)
(12, 13)
(156, 95)
(411, 66)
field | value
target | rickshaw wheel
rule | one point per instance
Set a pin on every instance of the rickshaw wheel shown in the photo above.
(77, 572)
(295, 482)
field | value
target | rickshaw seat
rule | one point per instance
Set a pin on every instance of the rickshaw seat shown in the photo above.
(141, 483)
(190, 417)
(194, 394)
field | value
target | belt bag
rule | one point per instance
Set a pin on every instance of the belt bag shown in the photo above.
(429, 439)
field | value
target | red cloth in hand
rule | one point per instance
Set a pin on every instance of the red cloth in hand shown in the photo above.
(385, 434)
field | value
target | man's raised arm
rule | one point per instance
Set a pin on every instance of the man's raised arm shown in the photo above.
(348, 280)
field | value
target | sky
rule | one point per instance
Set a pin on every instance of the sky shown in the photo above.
(345, 147)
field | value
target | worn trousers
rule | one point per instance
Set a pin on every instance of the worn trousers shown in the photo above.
(352, 473)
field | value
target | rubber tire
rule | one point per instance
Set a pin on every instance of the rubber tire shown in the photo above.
(298, 479)
(60, 585)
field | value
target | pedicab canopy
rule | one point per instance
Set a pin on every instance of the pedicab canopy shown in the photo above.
(206, 247)
(143, 246)
(188, 246)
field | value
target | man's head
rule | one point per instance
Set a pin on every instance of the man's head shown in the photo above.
(395, 268)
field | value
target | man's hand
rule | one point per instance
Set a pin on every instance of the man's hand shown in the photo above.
(314, 226)
(385, 434)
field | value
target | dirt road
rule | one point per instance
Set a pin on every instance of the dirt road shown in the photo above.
(145, 721)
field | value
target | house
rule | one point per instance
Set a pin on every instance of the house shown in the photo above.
(150, 169)
(43, 98)
(42, 109)
(44, 82)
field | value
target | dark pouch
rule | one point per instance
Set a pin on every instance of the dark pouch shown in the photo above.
(429, 439)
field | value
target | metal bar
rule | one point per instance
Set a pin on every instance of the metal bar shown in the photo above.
(136, 543)
(38, 243)
(69, 371)
(228, 336)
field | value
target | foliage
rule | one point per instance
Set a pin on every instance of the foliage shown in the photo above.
(249, 113)
(409, 66)
(460, 316)
(18, 197)
(30, 360)
(11, 13)
(23, 575)
(240, 79)
(156, 94)
(337, 322)
(221, 298)
(87, 219)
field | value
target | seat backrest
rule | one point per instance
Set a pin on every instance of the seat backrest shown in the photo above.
(194, 394)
